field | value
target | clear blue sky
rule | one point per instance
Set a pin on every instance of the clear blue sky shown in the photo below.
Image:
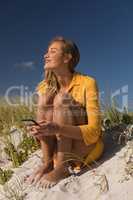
(103, 30)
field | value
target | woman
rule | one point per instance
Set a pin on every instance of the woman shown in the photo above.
(68, 113)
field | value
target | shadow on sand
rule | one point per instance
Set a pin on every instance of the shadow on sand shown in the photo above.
(111, 147)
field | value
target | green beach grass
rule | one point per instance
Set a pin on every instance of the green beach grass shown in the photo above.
(12, 115)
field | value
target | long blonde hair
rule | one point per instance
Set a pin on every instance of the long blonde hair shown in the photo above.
(69, 47)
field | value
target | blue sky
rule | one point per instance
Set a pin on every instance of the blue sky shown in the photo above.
(103, 31)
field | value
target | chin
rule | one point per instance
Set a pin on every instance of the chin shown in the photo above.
(49, 67)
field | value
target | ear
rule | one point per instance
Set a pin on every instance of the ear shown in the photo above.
(67, 58)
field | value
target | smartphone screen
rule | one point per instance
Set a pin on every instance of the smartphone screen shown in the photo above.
(30, 122)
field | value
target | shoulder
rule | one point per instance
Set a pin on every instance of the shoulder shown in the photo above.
(89, 83)
(41, 87)
(86, 79)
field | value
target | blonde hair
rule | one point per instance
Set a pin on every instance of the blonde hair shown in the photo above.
(68, 47)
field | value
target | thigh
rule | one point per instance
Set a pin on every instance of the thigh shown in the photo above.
(61, 111)
(68, 111)
(45, 112)
(46, 107)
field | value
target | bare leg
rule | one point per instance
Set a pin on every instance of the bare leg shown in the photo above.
(48, 144)
(65, 113)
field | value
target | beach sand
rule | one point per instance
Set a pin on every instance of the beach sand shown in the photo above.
(110, 179)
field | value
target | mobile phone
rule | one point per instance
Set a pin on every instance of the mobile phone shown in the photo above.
(30, 122)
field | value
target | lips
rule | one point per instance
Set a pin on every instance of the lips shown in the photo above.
(47, 61)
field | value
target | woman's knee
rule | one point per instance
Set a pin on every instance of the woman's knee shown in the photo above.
(45, 109)
(68, 110)
(62, 99)
(61, 108)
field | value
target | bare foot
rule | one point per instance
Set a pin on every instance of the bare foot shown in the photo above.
(52, 178)
(38, 174)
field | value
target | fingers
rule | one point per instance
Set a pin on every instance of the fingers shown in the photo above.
(30, 126)
(42, 122)
(45, 129)
(32, 130)
(37, 131)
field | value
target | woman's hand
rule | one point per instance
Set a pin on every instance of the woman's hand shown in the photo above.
(44, 129)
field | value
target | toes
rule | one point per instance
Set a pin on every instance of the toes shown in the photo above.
(36, 179)
(48, 184)
(52, 184)
(45, 184)
(26, 177)
(42, 182)
(31, 178)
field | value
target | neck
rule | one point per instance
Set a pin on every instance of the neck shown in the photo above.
(64, 78)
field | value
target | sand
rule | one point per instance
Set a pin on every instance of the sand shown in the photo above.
(110, 179)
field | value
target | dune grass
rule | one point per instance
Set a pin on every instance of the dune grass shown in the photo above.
(12, 116)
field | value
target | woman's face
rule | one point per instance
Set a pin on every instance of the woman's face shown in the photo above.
(55, 58)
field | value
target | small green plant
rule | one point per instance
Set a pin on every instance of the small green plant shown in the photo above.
(113, 114)
(29, 144)
(10, 116)
(5, 175)
(20, 154)
(126, 118)
(14, 155)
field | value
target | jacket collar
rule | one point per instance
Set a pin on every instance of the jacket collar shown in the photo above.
(75, 80)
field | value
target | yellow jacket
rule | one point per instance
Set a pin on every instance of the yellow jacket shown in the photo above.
(84, 90)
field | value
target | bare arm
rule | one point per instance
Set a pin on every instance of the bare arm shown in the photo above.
(44, 113)
(73, 132)
(88, 132)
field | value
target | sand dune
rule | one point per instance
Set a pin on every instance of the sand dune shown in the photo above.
(111, 179)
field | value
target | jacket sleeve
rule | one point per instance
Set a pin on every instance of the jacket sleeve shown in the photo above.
(92, 130)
